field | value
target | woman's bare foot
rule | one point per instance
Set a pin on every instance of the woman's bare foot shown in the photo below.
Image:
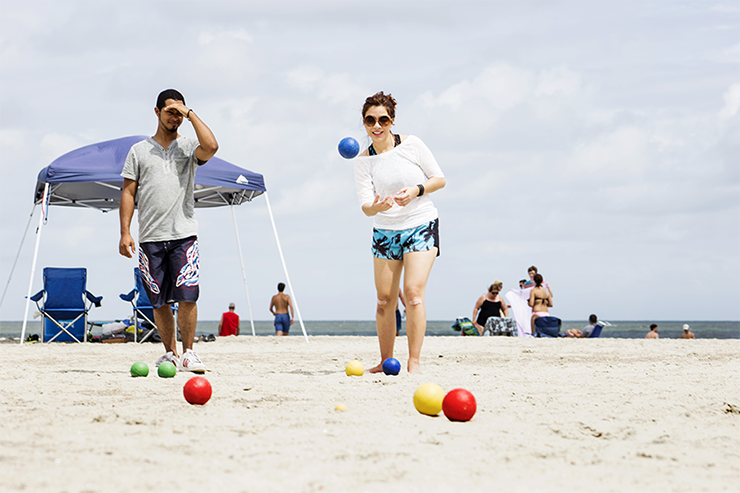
(414, 367)
(375, 369)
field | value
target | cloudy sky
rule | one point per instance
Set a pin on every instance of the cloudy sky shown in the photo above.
(599, 141)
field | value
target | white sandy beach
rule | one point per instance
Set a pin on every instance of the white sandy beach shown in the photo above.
(553, 415)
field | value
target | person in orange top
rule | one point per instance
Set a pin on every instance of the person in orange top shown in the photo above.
(229, 324)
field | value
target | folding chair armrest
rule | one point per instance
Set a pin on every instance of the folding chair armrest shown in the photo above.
(128, 296)
(37, 297)
(94, 299)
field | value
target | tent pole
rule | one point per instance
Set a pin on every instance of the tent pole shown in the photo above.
(285, 268)
(20, 247)
(244, 274)
(44, 209)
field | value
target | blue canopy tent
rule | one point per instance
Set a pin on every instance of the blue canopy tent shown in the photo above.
(90, 177)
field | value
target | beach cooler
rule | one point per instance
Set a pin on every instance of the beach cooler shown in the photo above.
(64, 303)
(547, 326)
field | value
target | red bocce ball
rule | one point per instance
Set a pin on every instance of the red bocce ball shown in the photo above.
(459, 405)
(197, 390)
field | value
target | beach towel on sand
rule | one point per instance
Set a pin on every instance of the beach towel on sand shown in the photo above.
(519, 301)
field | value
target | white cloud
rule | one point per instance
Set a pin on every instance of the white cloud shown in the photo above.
(208, 37)
(501, 84)
(558, 80)
(732, 103)
(334, 88)
(730, 54)
(56, 144)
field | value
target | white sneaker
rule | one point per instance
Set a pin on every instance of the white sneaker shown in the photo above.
(170, 356)
(191, 362)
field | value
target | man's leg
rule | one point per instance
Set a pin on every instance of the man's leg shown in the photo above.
(166, 328)
(187, 319)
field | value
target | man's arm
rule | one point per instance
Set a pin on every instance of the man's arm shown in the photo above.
(126, 245)
(220, 324)
(290, 308)
(272, 305)
(208, 144)
(238, 325)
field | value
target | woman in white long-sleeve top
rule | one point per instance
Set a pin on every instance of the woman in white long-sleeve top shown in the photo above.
(395, 177)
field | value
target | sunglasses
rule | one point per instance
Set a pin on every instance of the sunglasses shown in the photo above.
(370, 121)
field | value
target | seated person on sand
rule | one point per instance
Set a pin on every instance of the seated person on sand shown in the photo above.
(540, 299)
(653, 334)
(586, 331)
(490, 304)
(687, 334)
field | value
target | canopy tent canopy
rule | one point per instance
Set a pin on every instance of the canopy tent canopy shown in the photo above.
(90, 177)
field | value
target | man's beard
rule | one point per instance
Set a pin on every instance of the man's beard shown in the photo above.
(172, 130)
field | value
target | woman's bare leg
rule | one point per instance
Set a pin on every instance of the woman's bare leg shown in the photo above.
(417, 266)
(387, 279)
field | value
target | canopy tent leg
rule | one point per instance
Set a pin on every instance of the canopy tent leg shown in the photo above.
(44, 210)
(285, 268)
(20, 247)
(244, 273)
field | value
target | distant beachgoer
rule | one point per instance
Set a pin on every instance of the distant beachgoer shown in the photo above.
(653, 334)
(282, 308)
(532, 271)
(229, 324)
(540, 300)
(490, 304)
(395, 176)
(399, 317)
(687, 334)
(586, 331)
(522, 283)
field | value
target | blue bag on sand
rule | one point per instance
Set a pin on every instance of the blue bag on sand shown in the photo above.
(465, 325)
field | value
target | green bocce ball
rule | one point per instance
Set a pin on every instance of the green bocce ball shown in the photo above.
(166, 370)
(139, 369)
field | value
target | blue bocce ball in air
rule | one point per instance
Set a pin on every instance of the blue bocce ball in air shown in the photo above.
(349, 148)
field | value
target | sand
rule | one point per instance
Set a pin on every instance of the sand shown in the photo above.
(553, 415)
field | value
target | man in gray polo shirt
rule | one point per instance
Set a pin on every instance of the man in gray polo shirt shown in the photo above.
(161, 169)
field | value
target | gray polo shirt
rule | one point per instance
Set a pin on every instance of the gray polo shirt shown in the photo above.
(587, 331)
(166, 179)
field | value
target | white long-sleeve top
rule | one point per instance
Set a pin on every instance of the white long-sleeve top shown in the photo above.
(408, 164)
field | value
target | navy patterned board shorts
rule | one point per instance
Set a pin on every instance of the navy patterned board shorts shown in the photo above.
(170, 270)
(392, 244)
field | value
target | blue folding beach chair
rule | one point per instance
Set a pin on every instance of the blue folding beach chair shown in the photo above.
(597, 330)
(143, 309)
(547, 326)
(64, 303)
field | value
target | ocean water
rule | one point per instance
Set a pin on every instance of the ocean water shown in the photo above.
(617, 329)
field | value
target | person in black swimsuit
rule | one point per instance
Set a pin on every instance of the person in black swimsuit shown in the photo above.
(489, 304)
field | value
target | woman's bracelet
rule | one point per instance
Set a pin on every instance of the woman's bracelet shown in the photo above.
(421, 190)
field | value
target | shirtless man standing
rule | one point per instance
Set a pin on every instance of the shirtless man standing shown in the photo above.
(653, 334)
(280, 306)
